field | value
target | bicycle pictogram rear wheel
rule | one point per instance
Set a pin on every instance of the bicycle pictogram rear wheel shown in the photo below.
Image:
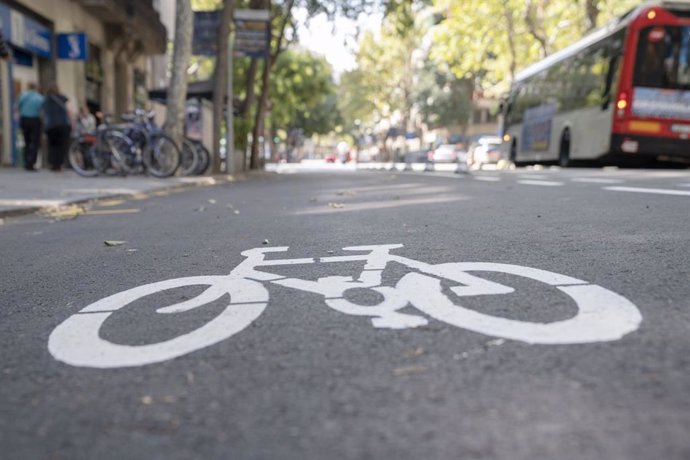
(77, 341)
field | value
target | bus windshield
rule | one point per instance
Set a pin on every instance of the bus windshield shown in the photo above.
(663, 58)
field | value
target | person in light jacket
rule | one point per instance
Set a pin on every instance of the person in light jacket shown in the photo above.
(29, 106)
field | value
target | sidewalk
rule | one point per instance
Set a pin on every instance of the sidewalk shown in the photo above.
(24, 192)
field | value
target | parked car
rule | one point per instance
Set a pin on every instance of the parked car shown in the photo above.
(447, 153)
(417, 156)
(487, 150)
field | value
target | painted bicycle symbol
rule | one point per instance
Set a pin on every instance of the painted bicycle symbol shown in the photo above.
(602, 314)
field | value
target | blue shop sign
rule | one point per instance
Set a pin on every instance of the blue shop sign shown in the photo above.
(26, 33)
(5, 21)
(38, 39)
(73, 46)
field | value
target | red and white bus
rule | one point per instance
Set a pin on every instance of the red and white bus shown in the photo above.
(622, 91)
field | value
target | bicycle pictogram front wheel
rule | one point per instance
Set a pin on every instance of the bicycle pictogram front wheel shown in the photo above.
(602, 315)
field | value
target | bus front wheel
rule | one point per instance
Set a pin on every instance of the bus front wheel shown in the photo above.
(564, 154)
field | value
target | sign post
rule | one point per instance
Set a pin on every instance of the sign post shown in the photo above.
(230, 160)
(252, 38)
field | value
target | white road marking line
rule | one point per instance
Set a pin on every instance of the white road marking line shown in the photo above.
(532, 176)
(20, 202)
(657, 191)
(596, 180)
(544, 183)
(487, 178)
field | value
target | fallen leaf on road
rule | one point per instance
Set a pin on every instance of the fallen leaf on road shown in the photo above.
(265, 242)
(495, 343)
(419, 351)
(347, 193)
(236, 211)
(111, 243)
(147, 400)
(414, 370)
(336, 205)
(68, 213)
(212, 201)
(111, 212)
(107, 203)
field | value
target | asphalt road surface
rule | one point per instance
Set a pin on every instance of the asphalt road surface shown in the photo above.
(570, 340)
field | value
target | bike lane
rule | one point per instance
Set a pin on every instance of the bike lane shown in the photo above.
(306, 381)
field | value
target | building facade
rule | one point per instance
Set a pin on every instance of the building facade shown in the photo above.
(99, 52)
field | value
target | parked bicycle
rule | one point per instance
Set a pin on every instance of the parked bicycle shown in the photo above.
(602, 314)
(92, 154)
(154, 151)
(195, 158)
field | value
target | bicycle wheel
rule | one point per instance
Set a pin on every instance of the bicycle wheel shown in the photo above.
(189, 161)
(602, 315)
(204, 159)
(120, 150)
(161, 156)
(83, 158)
(77, 341)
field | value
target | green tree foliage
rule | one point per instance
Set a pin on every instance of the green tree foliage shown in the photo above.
(354, 100)
(303, 93)
(442, 98)
(494, 39)
(385, 66)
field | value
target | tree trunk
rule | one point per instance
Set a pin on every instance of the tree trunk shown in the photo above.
(220, 86)
(534, 18)
(182, 51)
(258, 130)
(254, 160)
(592, 11)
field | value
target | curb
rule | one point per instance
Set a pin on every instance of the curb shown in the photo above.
(207, 181)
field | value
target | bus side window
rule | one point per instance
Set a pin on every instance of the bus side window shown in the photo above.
(608, 87)
(614, 53)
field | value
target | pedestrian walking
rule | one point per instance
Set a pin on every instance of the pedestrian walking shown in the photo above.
(58, 126)
(29, 105)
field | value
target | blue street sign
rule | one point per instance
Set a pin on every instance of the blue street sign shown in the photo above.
(72, 46)
(252, 33)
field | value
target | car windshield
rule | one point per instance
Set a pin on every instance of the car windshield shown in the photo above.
(663, 58)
